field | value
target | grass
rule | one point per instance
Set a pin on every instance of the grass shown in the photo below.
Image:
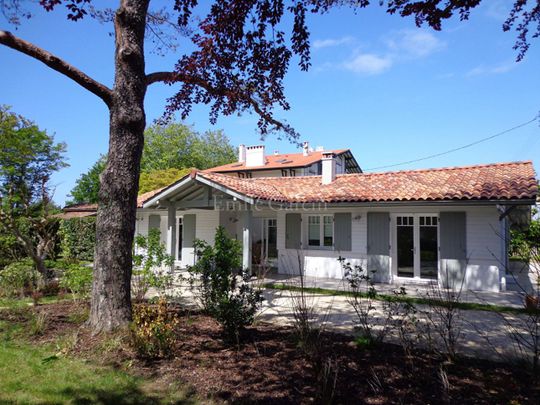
(394, 298)
(39, 374)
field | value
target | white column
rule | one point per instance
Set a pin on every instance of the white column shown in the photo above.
(171, 230)
(246, 236)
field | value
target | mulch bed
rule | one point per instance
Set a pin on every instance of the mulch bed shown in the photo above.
(268, 367)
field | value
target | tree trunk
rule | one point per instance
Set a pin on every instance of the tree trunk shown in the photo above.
(115, 224)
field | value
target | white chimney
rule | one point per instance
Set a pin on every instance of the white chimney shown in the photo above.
(328, 167)
(255, 156)
(242, 153)
(305, 148)
(276, 152)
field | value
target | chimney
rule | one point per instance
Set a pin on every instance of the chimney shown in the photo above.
(242, 153)
(276, 152)
(305, 148)
(255, 156)
(328, 167)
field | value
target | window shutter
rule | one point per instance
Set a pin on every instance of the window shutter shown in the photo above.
(378, 229)
(342, 232)
(188, 224)
(293, 227)
(154, 222)
(453, 244)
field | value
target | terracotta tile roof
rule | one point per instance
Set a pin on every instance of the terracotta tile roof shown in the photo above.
(86, 210)
(500, 181)
(281, 161)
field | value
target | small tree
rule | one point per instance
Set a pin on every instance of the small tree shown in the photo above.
(28, 158)
(225, 292)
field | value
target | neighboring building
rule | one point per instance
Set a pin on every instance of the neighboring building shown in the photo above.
(253, 163)
(417, 225)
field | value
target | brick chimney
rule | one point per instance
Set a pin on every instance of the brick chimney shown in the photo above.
(328, 167)
(255, 156)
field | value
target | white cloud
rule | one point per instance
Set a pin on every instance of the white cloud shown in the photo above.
(414, 43)
(369, 64)
(491, 70)
(330, 42)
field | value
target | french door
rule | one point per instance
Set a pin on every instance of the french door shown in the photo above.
(417, 246)
(269, 239)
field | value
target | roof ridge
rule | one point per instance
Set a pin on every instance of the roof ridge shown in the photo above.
(447, 168)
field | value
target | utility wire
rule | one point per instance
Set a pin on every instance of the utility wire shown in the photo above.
(459, 148)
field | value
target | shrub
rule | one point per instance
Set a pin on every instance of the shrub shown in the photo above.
(362, 297)
(153, 329)
(223, 288)
(18, 276)
(77, 278)
(78, 238)
(151, 265)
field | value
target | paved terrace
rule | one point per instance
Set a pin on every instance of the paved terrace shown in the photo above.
(484, 334)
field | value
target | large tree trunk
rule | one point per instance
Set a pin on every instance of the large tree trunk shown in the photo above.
(115, 225)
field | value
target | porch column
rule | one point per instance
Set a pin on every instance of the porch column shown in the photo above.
(246, 236)
(171, 230)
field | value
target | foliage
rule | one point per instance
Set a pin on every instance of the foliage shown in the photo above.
(77, 278)
(78, 238)
(169, 153)
(160, 178)
(179, 146)
(362, 298)
(28, 158)
(153, 331)
(524, 243)
(152, 265)
(18, 276)
(87, 185)
(10, 249)
(224, 288)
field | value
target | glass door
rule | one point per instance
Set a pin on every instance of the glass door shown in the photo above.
(417, 250)
(269, 242)
(405, 246)
(429, 250)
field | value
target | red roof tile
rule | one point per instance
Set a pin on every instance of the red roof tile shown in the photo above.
(500, 181)
(281, 161)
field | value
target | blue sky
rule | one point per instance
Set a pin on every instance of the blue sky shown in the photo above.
(378, 85)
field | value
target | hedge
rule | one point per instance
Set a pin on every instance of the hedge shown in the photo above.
(78, 238)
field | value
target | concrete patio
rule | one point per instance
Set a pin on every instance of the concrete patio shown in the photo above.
(484, 334)
(503, 298)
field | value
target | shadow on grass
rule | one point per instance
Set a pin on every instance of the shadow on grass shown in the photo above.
(127, 395)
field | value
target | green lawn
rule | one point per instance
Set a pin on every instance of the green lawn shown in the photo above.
(34, 374)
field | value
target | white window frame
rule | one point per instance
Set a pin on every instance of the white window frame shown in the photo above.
(179, 235)
(416, 245)
(321, 232)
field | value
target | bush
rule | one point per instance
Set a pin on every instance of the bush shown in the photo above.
(78, 238)
(231, 300)
(77, 278)
(18, 276)
(151, 265)
(153, 329)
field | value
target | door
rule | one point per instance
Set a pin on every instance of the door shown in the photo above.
(269, 240)
(417, 246)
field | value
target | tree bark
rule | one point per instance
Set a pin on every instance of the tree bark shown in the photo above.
(115, 224)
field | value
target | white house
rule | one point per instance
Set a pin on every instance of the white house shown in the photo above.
(417, 225)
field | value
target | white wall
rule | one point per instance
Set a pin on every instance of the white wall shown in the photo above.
(483, 244)
(206, 223)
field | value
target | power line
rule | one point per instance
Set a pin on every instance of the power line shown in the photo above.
(458, 148)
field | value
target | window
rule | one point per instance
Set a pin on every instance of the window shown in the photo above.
(314, 231)
(321, 231)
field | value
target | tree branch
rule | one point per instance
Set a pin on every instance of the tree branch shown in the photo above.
(172, 77)
(54, 62)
